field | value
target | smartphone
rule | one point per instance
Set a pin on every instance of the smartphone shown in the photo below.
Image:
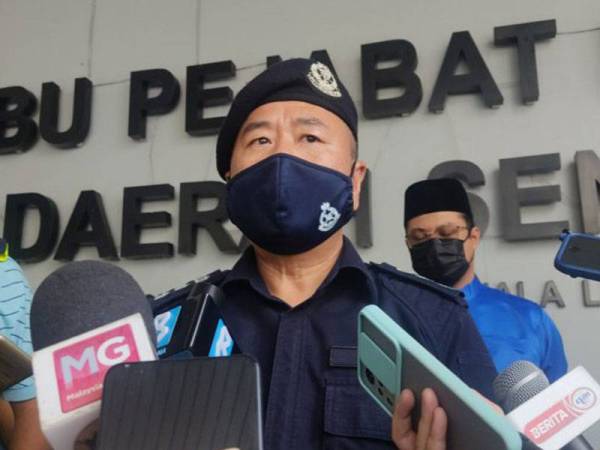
(15, 364)
(185, 404)
(579, 255)
(389, 360)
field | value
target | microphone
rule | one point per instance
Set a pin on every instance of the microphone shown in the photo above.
(85, 318)
(188, 321)
(551, 416)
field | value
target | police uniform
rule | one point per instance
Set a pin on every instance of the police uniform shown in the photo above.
(307, 354)
(514, 328)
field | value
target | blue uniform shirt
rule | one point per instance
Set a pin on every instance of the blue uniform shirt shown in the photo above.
(307, 355)
(516, 329)
(15, 303)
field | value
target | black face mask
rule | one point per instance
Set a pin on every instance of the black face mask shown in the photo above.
(441, 260)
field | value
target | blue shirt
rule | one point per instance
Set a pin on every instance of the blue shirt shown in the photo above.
(15, 304)
(514, 328)
(307, 354)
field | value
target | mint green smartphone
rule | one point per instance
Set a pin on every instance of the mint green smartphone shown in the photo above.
(390, 360)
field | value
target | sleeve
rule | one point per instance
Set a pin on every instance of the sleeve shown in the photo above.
(467, 356)
(15, 304)
(554, 363)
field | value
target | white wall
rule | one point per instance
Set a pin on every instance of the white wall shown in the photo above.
(106, 39)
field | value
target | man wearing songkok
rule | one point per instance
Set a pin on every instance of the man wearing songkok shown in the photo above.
(443, 239)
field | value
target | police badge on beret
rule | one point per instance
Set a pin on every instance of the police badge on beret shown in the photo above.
(321, 77)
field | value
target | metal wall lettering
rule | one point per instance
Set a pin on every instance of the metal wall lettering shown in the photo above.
(198, 98)
(134, 221)
(551, 294)
(588, 301)
(17, 105)
(524, 36)
(588, 181)
(141, 105)
(190, 219)
(513, 198)
(16, 207)
(479, 80)
(87, 227)
(402, 75)
(81, 117)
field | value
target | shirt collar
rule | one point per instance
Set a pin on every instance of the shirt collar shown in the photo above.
(349, 259)
(472, 289)
(245, 269)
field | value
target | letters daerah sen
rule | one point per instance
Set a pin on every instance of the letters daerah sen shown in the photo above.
(88, 224)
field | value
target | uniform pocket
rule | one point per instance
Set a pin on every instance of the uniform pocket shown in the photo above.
(352, 419)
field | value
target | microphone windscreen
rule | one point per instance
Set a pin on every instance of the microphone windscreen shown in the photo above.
(518, 383)
(82, 296)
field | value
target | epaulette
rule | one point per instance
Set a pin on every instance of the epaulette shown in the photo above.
(213, 278)
(450, 293)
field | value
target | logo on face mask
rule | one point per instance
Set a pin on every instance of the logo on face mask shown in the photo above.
(329, 217)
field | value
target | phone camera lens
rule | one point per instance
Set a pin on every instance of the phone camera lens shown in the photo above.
(370, 376)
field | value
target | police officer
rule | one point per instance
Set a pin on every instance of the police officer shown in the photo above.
(288, 151)
(443, 239)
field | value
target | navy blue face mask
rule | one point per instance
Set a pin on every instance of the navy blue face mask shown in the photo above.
(287, 205)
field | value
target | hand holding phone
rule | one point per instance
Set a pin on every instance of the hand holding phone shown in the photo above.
(390, 360)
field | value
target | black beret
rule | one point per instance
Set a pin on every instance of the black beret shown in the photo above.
(442, 194)
(299, 79)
